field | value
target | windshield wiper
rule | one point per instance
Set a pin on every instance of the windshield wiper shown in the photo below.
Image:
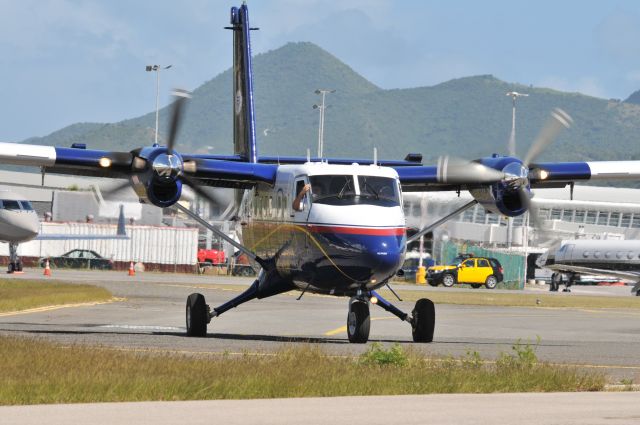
(367, 185)
(346, 184)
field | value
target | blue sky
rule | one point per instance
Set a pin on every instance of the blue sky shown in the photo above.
(67, 61)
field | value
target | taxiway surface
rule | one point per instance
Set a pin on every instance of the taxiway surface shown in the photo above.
(150, 316)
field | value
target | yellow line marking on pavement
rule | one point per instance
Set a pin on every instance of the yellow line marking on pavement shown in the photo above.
(343, 329)
(59, 306)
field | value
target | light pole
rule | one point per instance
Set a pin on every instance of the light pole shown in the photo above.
(512, 151)
(157, 69)
(512, 140)
(321, 107)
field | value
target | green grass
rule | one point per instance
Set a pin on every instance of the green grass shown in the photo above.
(34, 371)
(18, 295)
(484, 296)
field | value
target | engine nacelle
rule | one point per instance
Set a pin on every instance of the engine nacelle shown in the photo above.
(499, 200)
(503, 197)
(159, 184)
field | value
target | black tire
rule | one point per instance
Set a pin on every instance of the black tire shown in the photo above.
(424, 321)
(196, 315)
(19, 266)
(358, 322)
(638, 293)
(491, 282)
(448, 280)
(475, 285)
(11, 268)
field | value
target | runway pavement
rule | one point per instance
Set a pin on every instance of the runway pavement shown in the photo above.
(151, 317)
(441, 409)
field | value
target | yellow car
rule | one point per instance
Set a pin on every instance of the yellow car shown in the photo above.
(476, 271)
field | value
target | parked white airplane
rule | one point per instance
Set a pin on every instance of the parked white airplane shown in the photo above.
(19, 223)
(571, 258)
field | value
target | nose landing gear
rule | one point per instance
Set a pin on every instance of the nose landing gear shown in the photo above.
(358, 321)
(422, 318)
(15, 265)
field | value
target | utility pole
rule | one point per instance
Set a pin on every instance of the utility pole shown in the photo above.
(157, 69)
(512, 140)
(321, 108)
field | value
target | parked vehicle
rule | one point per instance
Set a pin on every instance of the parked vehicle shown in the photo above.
(476, 271)
(411, 263)
(242, 266)
(79, 259)
(212, 256)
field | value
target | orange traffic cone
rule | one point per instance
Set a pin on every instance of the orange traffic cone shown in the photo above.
(47, 269)
(132, 271)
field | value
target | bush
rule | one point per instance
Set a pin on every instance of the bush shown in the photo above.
(378, 355)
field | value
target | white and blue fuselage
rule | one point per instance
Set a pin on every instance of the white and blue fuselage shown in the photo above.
(348, 233)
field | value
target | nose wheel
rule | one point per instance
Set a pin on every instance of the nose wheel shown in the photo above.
(358, 321)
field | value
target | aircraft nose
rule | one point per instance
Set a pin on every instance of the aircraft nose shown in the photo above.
(24, 225)
(384, 256)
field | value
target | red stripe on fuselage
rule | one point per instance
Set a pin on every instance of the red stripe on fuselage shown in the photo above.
(372, 231)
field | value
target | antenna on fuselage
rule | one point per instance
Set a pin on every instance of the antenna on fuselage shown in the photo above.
(375, 156)
(308, 155)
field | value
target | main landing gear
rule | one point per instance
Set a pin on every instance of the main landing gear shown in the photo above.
(558, 279)
(199, 314)
(422, 318)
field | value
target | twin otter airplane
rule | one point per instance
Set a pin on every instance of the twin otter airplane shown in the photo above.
(323, 225)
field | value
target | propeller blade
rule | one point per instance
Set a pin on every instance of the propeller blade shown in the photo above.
(461, 171)
(558, 121)
(176, 118)
(108, 193)
(525, 199)
(198, 190)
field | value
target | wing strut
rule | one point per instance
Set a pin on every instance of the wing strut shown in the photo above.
(222, 235)
(441, 221)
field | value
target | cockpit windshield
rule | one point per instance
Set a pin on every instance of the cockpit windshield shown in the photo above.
(15, 205)
(383, 190)
(341, 190)
(332, 189)
(26, 205)
(10, 204)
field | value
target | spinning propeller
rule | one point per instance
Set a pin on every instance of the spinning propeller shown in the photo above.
(508, 176)
(161, 167)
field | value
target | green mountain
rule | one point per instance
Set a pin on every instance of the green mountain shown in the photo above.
(469, 117)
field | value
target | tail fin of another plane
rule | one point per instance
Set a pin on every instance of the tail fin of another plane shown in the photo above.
(244, 126)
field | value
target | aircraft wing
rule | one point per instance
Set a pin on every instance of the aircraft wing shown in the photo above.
(99, 163)
(455, 175)
(633, 276)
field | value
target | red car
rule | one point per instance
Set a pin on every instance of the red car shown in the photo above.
(212, 256)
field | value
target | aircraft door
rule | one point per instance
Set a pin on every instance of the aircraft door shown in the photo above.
(567, 254)
(300, 213)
